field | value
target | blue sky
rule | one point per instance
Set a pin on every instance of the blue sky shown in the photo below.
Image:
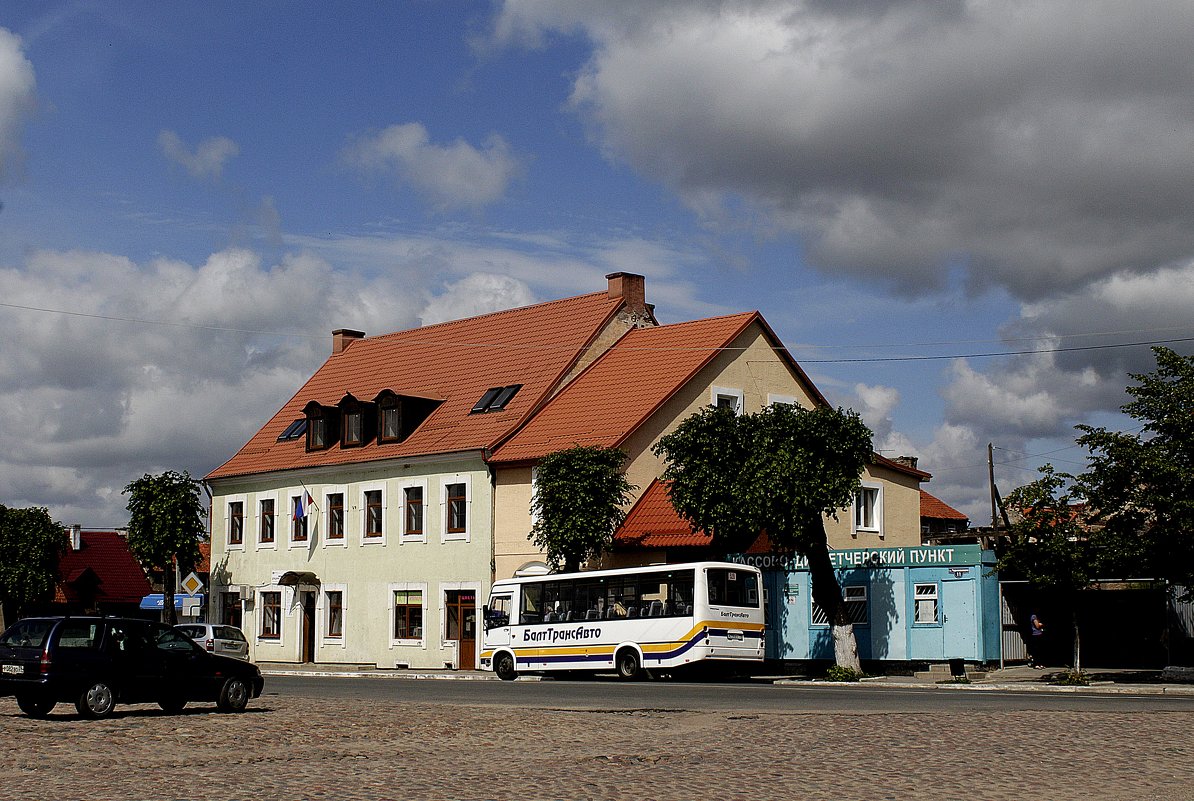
(195, 195)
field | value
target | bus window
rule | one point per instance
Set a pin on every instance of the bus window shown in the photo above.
(733, 588)
(497, 614)
(532, 604)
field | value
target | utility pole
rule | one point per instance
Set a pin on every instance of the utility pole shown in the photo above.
(991, 477)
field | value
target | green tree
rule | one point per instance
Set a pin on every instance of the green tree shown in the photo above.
(1140, 486)
(1049, 545)
(166, 526)
(579, 498)
(779, 471)
(30, 546)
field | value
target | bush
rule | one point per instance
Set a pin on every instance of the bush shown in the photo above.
(1071, 678)
(839, 673)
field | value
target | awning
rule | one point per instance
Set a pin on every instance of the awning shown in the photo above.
(292, 578)
(156, 600)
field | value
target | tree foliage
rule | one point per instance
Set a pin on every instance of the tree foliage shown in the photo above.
(579, 498)
(1140, 486)
(30, 546)
(165, 525)
(779, 471)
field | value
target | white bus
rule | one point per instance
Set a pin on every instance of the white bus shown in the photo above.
(630, 620)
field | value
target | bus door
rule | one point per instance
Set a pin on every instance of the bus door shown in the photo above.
(497, 620)
(732, 593)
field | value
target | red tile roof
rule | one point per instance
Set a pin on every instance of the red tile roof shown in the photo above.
(937, 509)
(106, 555)
(618, 392)
(653, 523)
(204, 563)
(454, 362)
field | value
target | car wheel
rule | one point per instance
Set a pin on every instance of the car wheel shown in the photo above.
(234, 695)
(628, 665)
(504, 667)
(35, 706)
(172, 703)
(96, 700)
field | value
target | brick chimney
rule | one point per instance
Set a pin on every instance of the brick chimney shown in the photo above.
(631, 288)
(343, 337)
(907, 461)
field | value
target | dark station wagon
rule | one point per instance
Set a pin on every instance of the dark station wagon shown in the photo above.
(97, 662)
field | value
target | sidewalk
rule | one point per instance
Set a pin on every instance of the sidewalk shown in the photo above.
(1019, 678)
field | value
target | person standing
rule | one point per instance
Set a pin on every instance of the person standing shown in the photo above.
(1036, 641)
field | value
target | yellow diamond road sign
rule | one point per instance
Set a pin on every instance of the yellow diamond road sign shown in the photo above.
(192, 584)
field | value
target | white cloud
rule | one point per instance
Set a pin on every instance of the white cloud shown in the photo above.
(208, 158)
(17, 86)
(479, 293)
(451, 176)
(901, 139)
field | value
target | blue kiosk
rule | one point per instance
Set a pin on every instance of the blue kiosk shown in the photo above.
(921, 604)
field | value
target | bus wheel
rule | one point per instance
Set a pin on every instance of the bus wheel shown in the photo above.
(503, 666)
(629, 667)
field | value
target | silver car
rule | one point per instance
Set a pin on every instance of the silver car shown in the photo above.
(217, 639)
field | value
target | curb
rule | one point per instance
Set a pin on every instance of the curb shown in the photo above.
(1101, 689)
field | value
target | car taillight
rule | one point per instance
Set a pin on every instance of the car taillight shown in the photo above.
(44, 662)
(211, 644)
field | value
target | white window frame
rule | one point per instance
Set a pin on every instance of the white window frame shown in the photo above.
(244, 521)
(935, 598)
(788, 400)
(259, 616)
(326, 515)
(363, 517)
(877, 512)
(406, 586)
(257, 543)
(291, 542)
(456, 536)
(733, 393)
(321, 615)
(851, 594)
(403, 537)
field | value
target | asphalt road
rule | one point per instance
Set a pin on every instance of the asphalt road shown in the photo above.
(597, 694)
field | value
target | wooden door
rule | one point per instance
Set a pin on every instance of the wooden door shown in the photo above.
(461, 608)
(308, 601)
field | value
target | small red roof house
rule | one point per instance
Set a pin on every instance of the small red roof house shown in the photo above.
(98, 574)
(937, 518)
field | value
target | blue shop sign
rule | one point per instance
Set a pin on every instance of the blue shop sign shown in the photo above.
(157, 601)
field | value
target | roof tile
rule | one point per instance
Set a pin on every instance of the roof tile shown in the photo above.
(107, 555)
(937, 509)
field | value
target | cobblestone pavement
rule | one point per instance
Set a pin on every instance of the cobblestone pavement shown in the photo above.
(299, 748)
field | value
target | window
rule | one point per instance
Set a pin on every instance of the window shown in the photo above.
(335, 614)
(236, 523)
(373, 514)
(298, 519)
(336, 516)
(456, 503)
(408, 614)
(231, 609)
(317, 433)
(868, 510)
(271, 615)
(726, 398)
(787, 400)
(853, 601)
(294, 430)
(352, 428)
(733, 588)
(412, 519)
(925, 598)
(390, 421)
(495, 399)
(265, 528)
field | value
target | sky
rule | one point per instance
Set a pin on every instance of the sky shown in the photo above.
(194, 195)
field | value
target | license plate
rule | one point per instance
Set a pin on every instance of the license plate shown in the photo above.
(15, 670)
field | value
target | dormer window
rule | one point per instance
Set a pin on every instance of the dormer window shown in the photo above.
(389, 422)
(495, 399)
(398, 416)
(357, 422)
(352, 427)
(321, 426)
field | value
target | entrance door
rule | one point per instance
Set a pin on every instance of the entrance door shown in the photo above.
(308, 602)
(461, 607)
(961, 627)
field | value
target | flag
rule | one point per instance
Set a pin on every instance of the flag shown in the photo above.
(302, 505)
